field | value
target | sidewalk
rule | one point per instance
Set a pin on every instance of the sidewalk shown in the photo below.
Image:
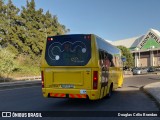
(154, 90)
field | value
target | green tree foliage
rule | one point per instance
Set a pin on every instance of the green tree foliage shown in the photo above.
(129, 57)
(10, 29)
(3, 21)
(24, 32)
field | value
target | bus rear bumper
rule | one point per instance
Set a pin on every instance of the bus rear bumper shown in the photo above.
(70, 93)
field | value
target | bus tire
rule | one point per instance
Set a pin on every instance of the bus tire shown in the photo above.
(110, 91)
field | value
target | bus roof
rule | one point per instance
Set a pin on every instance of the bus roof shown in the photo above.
(106, 46)
(102, 44)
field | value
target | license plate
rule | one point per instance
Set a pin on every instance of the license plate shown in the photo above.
(67, 86)
(55, 86)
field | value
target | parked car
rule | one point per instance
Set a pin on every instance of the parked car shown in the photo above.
(134, 68)
(138, 71)
(157, 69)
(151, 69)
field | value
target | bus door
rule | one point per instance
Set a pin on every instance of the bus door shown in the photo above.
(113, 72)
(104, 65)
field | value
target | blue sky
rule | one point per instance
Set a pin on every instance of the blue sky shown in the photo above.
(109, 19)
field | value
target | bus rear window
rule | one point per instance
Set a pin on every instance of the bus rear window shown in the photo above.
(68, 50)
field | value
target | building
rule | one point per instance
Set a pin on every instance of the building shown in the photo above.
(145, 48)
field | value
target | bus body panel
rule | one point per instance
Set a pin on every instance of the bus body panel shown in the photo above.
(78, 77)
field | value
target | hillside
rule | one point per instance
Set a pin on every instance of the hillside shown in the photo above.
(22, 35)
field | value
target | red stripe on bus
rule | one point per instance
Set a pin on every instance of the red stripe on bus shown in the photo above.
(56, 95)
(78, 95)
(71, 96)
(84, 96)
(63, 95)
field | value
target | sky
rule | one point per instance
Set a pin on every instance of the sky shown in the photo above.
(109, 19)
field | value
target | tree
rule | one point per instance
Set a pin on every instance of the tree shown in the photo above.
(126, 53)
(26, 32)
(38, 26)
(2, 21)
(10, 29)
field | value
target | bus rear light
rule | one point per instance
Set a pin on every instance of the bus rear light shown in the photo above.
(87, 37)
(42, 77)
(95, 79)
(49, 39)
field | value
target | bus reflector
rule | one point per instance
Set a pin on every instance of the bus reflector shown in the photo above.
(77, 96)
(95, 79)
(59, 95)
(42, 77)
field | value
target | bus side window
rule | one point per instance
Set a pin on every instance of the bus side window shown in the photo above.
(111, 60)
(115, 60)
(101, 59)
(118, 61)
(107, 62)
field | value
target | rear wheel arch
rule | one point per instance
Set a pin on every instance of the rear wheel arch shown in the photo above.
(110, 90)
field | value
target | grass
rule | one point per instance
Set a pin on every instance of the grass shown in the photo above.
(15, 66)
(25, 71)
(22, 71)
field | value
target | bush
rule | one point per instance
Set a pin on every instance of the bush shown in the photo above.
(21, 66)
(7, 64)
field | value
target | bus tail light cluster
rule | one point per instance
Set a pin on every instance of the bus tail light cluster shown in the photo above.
(49, 39)
(42, 77)
(87, 37)
(95, 80)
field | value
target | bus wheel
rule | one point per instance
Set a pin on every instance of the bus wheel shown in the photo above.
(110, 91)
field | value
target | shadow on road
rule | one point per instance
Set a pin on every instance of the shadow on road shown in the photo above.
(126, 99)
(154, 78)
(77, 104)
(133, 86)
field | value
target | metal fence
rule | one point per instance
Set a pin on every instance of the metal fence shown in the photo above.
(29, 78)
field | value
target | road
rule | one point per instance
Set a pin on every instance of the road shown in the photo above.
(128, 98)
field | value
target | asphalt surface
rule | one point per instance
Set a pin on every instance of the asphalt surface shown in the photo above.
(153, 90)
(128, 98)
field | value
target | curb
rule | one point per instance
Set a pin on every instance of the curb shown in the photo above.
(151, 96)
(126, 76)
(19, 84)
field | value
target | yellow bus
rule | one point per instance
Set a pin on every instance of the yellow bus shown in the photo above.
(80, 66)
